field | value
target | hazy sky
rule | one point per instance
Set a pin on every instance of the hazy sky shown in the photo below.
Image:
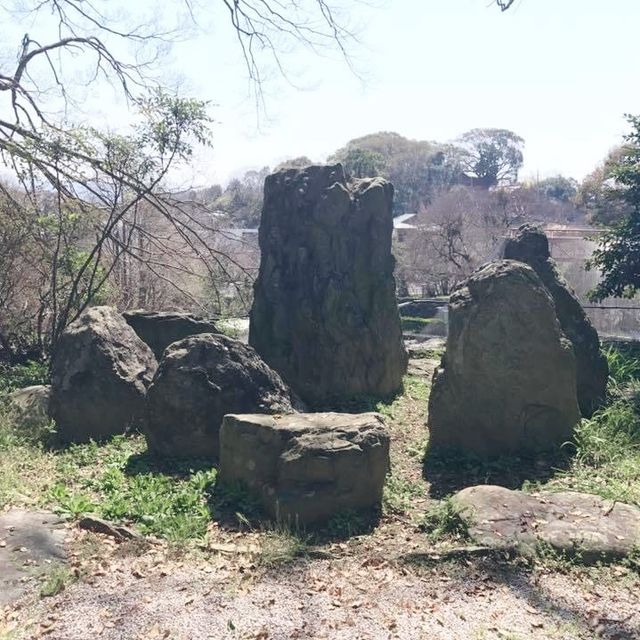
(559, 73)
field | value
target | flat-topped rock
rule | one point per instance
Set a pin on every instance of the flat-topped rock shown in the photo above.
(306, 468)
(571, 523)
(159, 329)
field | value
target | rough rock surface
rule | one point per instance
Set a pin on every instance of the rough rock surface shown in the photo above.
(99, 378)
(30, 406)
(507, 382)
(30, 541)
(571, 523)
(158, 329)
(199, 380)
(324, 313)
(531, 245)
(306, 468)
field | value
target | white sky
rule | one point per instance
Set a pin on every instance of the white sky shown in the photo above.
(560, 73)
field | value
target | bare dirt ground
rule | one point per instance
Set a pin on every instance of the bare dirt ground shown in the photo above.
(251, 585)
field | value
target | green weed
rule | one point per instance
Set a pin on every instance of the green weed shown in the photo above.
(24, 375)
(400, 492)
(56, 580)
(444, 521)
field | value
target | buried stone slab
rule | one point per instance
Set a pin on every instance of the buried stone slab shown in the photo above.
(574, 524)
(530, 245)
(31, 542)
(199, 380)
(306, 468)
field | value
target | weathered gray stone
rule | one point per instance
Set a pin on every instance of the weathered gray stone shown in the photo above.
(324, 313)
(30, 542)
(507, 382)
(577, 524)
(199, 380)
(531, 246)
(99, 378)
(159, 329)
(421, 308)
(30, 406)
(306, 468)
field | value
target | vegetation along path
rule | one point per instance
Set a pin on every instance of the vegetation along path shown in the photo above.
(206, 568)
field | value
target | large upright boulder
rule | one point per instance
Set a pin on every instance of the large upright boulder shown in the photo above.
(100, 374)
(199, 380)
(507, 381)
(324, 313)
(530, 245)
(159, 329)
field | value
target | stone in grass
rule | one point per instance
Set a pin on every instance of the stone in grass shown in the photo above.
(306, 468)
(199, 380)
(30, 407)
(99, 378)
(580, 525)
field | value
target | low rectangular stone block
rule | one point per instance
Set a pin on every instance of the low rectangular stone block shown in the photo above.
(306, 468)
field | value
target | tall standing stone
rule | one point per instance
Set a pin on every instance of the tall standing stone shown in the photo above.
(507, 381)
(324, 313)
(531, 246)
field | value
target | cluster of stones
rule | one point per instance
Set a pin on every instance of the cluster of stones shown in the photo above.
(325, 319)
(522, 362)
(522, 359)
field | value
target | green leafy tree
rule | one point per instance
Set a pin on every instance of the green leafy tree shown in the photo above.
(602, 195)
(363, 163)
(418, 169)
(618, 254)
(558, 188)
(491, 157)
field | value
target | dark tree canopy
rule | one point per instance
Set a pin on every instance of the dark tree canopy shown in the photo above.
(618, 254)
(418, 169)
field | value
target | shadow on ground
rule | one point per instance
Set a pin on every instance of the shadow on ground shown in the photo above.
(451, 472)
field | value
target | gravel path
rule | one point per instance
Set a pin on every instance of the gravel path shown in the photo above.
(352, 597)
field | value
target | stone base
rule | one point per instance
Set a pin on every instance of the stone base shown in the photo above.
(306, 468)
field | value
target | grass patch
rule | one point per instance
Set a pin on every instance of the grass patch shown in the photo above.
(23, 375)
(606, 461)
(444, 521)
(400, 492)
(281, 547)
(56, 580)
(112, 480)
(410, 323)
